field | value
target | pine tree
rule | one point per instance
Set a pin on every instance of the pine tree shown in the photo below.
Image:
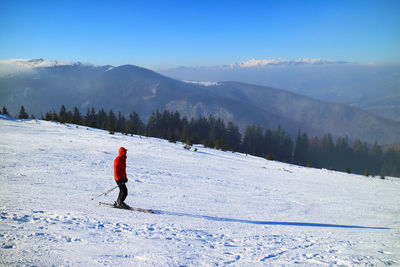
(221, 144)
(54, 116)
(63, 114)
(342, 154)
(69, 116)
(253, 140)
(5, 111)
(110, 127)
(287, 149)
(101, 119)
(134, 125)
(154, 123)
(92, 119)
(121, 124)
(360, 156)
(111, 122)
(22, 114)
(391, 163)
(47, 116)
(327, 150)
(279, 144)
(76, 117)
(301, 149)
(375, 158)
(86, 118)
(233, 137)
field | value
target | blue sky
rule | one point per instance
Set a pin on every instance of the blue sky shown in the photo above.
(206, 33)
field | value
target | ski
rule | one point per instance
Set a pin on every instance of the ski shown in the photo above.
(130, 208)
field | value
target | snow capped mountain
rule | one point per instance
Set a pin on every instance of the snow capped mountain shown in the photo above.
(17, 65)
(38, 63)
(281, 61)
(212, 208)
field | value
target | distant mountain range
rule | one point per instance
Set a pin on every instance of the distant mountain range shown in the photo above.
(282, 61)
(42, 85)
(372, 87)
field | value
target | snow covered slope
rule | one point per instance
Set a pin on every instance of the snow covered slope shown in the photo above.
(212, 207)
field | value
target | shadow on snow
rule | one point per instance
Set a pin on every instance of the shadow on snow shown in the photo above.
(304, 224)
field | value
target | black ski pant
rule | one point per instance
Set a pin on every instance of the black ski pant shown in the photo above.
(123, 191)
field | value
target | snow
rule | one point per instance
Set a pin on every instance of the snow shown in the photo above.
(212, 207)
(37, 63)
(15, 65)
(202, 83)
(279, 61)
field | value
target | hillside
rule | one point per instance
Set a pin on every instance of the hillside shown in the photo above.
(130, 88)
(212, 207)
(371, 87)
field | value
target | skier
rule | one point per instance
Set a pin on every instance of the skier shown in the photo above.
(120, 178)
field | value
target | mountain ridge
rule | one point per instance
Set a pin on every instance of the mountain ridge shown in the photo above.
(371, 87)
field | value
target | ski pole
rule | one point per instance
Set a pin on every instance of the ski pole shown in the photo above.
(106, 192)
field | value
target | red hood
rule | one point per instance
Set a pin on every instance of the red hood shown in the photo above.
(122, 150)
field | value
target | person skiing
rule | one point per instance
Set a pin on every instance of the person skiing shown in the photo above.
(121, 178)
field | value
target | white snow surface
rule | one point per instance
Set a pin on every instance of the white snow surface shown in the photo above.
(212, 207)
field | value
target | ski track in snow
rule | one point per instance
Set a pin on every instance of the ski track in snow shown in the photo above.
(212, 207)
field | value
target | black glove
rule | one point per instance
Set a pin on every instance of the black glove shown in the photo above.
(125, 180)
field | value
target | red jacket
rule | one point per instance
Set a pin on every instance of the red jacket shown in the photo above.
(120, 165)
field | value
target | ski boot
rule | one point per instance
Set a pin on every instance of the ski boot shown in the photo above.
(121, 205)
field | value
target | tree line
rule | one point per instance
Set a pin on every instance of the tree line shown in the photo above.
(321, 152)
